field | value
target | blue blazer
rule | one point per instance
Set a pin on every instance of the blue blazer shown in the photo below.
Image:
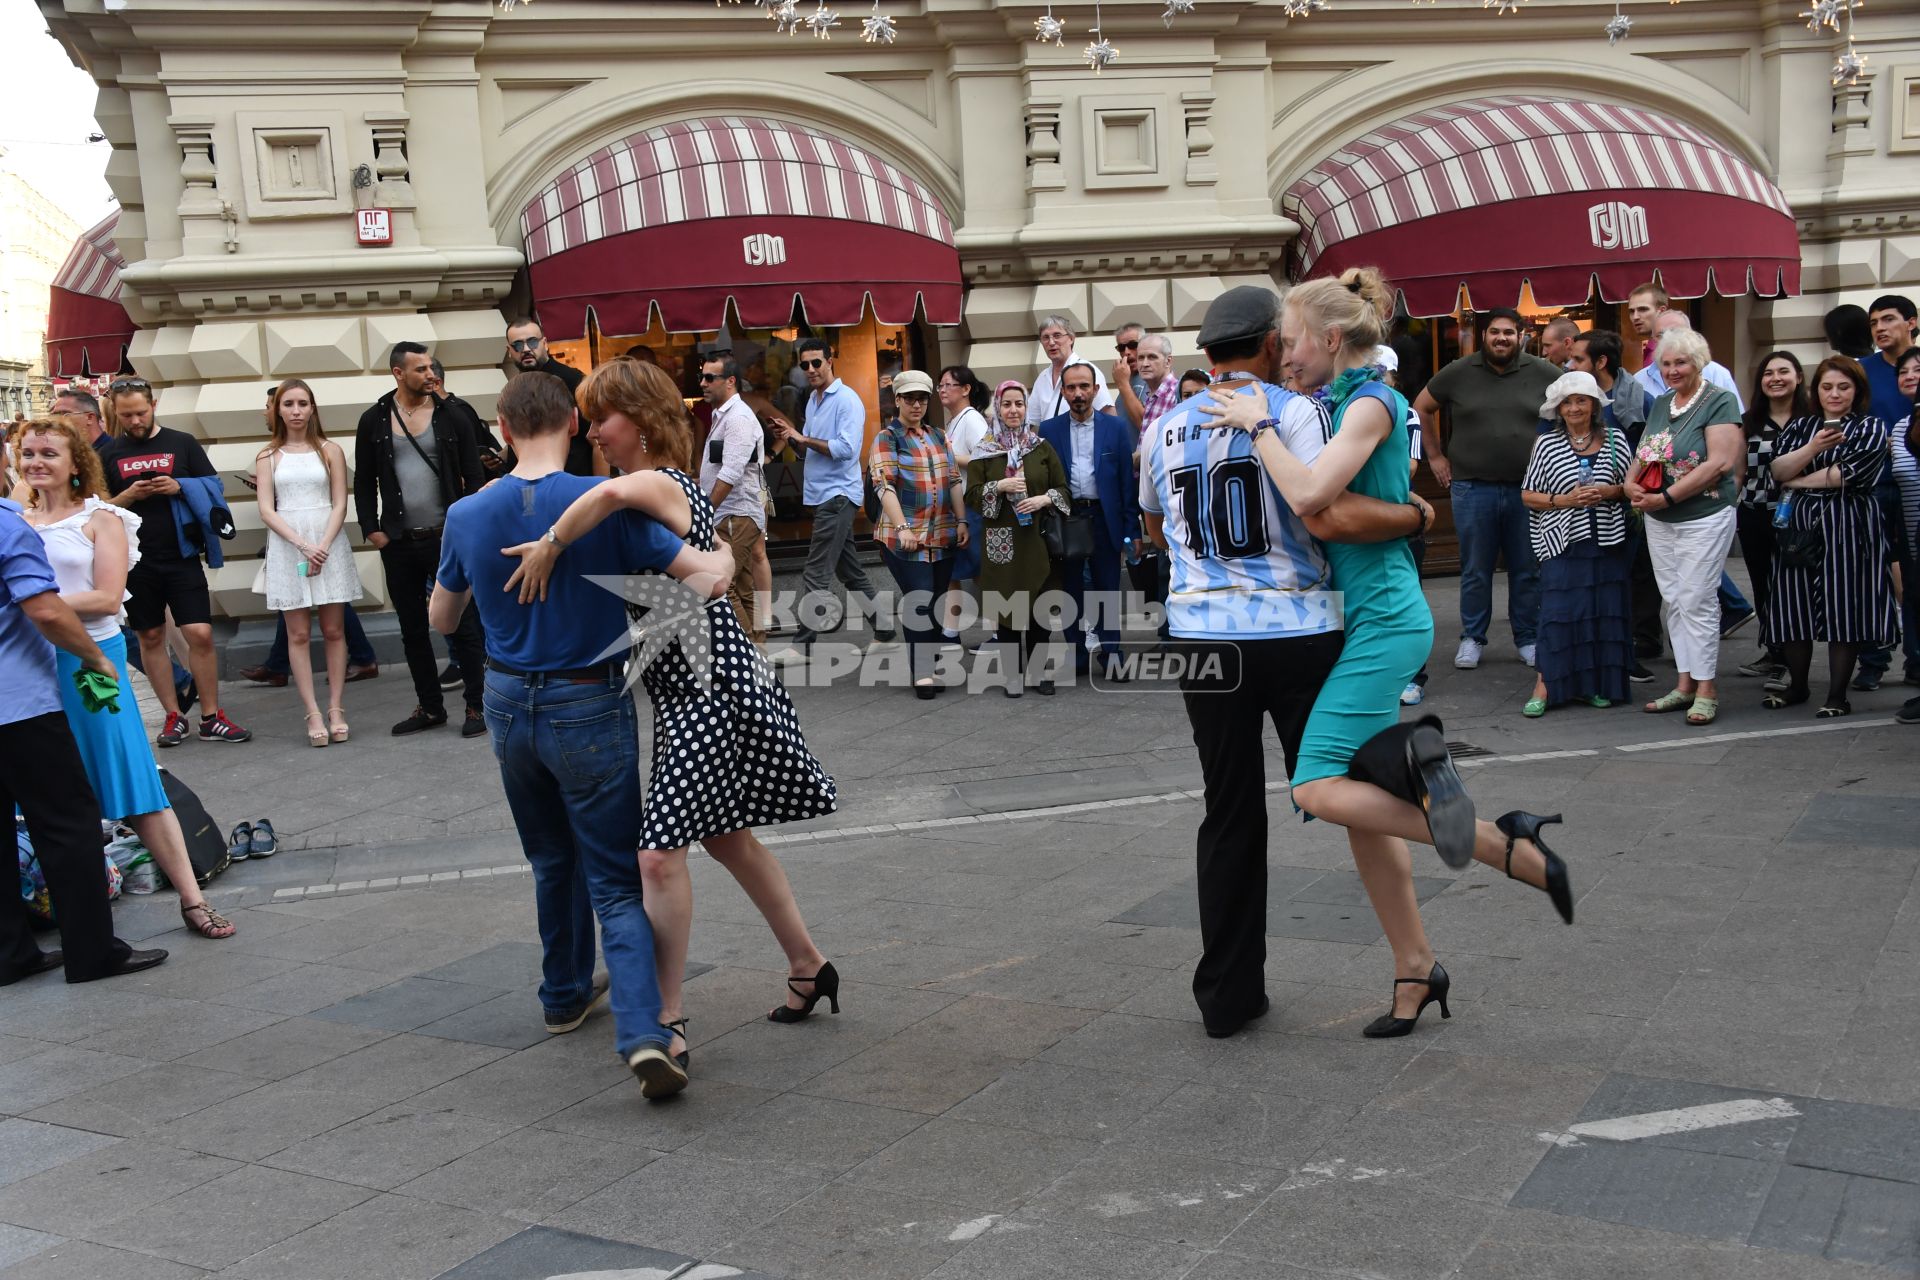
(1112, 469)
(201, 518)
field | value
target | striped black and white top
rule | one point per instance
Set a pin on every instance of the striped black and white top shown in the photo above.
(1556, 468)
(1848, 599)
(1760, 489)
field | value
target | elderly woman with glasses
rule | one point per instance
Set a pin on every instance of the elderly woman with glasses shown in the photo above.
(1685, 482)
(923, 517)
(1575, 495)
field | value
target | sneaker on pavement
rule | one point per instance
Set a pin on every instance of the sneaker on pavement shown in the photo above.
(788, 656)
(1909, 712)
(450, 677)
(1412, 696)
(1762, 666)
(659, 1075)
(1638, 673)
(1867, 681)
(474, 725)
(173, 732)
(265, 675)
(561, 1021)
(420, 719)
(217, 728)
(881, 643)
(1732, 622)
(1527, 653)
(1467, 656)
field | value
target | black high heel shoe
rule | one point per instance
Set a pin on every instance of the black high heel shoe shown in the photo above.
(685, 1056)
(1443, 796)
(826, 986)
(1520, 825)
(1387, 1024)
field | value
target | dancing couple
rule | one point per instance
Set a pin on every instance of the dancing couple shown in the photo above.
(728, 754)
(1287, 518)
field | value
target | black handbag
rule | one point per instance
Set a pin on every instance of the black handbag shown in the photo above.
(1066, 537)
(1802, 549)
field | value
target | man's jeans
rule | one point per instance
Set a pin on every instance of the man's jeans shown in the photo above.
(831, 554)
(1491, 522)
(570, 762)
(359, 651)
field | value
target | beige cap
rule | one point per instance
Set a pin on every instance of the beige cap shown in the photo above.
(912, 380)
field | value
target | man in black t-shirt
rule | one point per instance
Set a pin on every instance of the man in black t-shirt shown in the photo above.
(527, 349)
(145, 464)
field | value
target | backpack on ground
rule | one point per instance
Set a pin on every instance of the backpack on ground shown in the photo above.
(206, 844)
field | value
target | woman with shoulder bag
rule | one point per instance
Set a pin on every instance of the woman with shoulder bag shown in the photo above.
(1831, 579)
(1779, 396)
(1016, 476)
(923, 517)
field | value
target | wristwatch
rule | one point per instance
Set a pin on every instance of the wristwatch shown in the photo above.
(1265, 424)
(553, 536)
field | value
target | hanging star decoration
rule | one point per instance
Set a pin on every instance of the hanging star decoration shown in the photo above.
(1049, 29)
(1502, 6)
(786, 16)
(1827, 13)
(1176, 9)
(1850, 68)
(822, 21)
(508, 6)
(1619, 27)
(1100, 53)
(1304, 8)
(878, 28)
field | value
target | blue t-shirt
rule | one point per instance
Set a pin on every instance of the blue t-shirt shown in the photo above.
(580, 622)
(28, 687)
(1883, 384)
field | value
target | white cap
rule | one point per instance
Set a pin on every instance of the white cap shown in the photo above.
(1384, 357)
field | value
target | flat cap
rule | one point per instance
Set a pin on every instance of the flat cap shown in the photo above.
(912, 380)
(1244, 311)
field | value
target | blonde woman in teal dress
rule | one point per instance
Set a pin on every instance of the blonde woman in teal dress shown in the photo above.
(1385, 782)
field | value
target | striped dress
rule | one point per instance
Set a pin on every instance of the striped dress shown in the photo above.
(1849, 599)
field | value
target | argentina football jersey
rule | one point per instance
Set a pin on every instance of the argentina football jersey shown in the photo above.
(1243, 564)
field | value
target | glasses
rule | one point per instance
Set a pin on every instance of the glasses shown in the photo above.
(949, 386)
(1127, 346)
(710, 377)
(919, 396)
(129, 384)
(813, 364)
(526, 344)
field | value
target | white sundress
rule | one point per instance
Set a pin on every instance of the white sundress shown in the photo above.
(304, 499)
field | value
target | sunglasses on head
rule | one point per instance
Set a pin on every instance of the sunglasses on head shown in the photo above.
(526, 344)
(130, 384)
(813, 364)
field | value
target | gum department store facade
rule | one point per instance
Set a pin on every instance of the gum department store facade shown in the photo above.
(653, 171)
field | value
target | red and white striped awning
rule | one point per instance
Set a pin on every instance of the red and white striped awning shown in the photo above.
(763, 213)
(1546, 190)
(87, 328)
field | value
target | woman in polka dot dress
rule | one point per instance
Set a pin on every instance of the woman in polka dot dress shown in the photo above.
(728, 753)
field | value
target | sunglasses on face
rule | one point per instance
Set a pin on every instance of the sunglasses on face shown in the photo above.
(1127, 346)
(709, 377)
(526, 344)
(813, 364)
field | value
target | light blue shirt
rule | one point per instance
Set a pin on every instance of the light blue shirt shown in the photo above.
(30, 686)
(1715, 375)
(838, 417)
(1081, 480)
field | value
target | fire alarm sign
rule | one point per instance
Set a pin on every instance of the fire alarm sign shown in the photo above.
(375, 226)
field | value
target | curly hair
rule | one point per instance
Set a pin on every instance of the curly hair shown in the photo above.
(648, 398)
(90, 476)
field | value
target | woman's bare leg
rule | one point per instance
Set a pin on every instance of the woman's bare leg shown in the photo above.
(669, 904)
(757, 871)
(1361, 806)
(160, 832)
(300, 655)
(1385, 865)
(333, 630)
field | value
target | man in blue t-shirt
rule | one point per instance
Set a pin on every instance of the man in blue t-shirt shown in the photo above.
(562, 719)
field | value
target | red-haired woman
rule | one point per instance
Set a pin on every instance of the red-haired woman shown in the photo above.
(91, 545)
(303, 503)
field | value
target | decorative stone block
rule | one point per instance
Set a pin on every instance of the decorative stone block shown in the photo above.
(1901, 260)
(1064, 299)
(1122, 301)
(227, 349)
(999, 311)
(1192, 295)
(1124, 142)
(301, 345)
(1044, 171)
(229, 412)
(161, 354)
(178, 406)
(468, 338)
(293, 163)
(397, 326)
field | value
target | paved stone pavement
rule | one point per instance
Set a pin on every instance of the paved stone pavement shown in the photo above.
(1710, 1075)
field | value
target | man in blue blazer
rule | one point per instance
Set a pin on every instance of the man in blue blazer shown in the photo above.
(1097, 451)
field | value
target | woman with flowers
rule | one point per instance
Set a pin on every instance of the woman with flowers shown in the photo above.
(1685, 483)
(1577, 513)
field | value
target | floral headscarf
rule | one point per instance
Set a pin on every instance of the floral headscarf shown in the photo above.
(1015, 442)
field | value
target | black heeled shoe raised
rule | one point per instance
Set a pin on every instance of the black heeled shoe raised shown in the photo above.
(1388, 1024)
(826, 986)
(1443, 796)
(679, 1027)
(1520, 825)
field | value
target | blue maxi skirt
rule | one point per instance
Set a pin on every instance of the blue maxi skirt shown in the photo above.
(113, 747)
(1586, 623)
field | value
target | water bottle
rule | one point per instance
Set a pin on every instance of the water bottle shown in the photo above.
(1783, 510)
(1022, 518)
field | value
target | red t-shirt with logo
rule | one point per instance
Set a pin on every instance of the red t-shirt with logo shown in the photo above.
(164, 453)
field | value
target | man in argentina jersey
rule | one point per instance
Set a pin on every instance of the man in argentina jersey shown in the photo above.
(1254, 609)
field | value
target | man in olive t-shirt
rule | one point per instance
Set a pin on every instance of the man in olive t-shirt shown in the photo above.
(1492, 404)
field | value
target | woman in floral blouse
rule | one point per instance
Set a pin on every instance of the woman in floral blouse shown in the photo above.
(922, 518)
(1014, 475)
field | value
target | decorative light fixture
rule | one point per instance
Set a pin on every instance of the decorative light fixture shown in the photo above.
(1100, 53)
(1827, 13)
(1502, 6)
(1850, 68)
(878, 28)
(508, 6)
(1176, 9)
(1048, 29)
(1304, 8)
(822, 21)
(786, 16)
(1619, 27)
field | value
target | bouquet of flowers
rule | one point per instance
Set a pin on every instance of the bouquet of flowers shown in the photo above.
(1655, 452)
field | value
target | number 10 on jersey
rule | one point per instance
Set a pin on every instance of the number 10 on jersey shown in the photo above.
(1221, 508)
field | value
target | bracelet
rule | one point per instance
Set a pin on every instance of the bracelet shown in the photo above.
(1419, 517)
(1668, 495)
(1553, 500)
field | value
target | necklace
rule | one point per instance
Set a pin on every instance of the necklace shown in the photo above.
(1679, 409)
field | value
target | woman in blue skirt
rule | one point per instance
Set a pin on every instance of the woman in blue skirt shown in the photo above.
(91, 545)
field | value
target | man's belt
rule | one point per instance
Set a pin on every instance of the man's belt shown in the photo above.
(603, 671)
(421, 535)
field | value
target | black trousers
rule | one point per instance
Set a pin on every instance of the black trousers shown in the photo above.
(1754, 526)
(41, 771)
(411, 564)
(1231, 690)
(1649, 634)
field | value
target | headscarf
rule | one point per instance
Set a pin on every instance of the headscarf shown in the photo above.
(1015, 442)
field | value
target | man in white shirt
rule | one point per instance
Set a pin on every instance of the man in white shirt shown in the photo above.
(1715, 374)
(1046, 400)
(732, 475)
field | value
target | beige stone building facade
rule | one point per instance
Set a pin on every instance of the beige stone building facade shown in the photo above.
(248, 133)
(35, 235)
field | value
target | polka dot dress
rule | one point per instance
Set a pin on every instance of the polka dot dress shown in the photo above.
(729, 756)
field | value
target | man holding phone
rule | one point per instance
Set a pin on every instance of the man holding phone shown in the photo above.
(732, 472)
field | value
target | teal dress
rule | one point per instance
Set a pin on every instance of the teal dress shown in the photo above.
(1389, 627)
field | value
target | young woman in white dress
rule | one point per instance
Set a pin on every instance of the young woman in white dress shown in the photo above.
(309, 569)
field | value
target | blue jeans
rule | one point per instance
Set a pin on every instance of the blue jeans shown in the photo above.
(1491, 522)
(570, 762)
(920, 626)
(1731, 601)
(359, 651)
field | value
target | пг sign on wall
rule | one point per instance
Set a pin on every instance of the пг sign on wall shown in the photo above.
(374, 226)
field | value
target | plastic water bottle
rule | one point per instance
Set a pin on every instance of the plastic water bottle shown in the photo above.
(1783, 511)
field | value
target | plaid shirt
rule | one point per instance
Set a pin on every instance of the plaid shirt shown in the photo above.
(1164, 397)
(918, 466)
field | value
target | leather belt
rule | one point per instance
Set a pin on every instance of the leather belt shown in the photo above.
(421, 535)
(578, 675)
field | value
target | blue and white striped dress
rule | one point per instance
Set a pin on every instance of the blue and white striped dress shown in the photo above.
(1849, 599)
